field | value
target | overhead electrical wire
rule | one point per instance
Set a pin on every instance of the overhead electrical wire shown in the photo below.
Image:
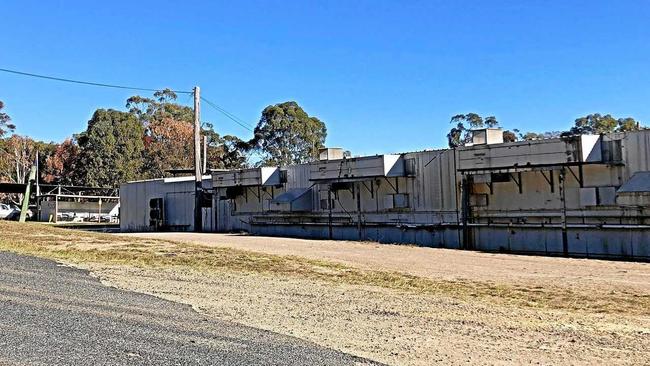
(234, 118)
(231, 116)
(88, 82)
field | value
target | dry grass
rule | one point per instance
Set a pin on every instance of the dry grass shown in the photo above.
(77, 246)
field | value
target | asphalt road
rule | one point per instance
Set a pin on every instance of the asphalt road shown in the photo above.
(56, 315)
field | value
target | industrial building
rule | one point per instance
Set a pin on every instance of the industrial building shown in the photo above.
(586, 196)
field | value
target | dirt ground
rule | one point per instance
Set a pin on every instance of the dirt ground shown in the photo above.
(399, 305)
(402, 328)
(448, 264)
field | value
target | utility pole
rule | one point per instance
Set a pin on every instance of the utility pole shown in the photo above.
(205, 154)
(198, 189)
(565, 234)
(38, 187)
(28, 191)
(38, 173)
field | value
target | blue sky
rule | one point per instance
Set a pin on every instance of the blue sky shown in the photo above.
(385, 76)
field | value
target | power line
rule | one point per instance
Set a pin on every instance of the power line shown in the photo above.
(231, 116)
(88, 82)
(234, 118)
(228, 114)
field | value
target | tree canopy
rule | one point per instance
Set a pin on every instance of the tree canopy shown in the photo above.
(169, 134)
(61, 167)
(225, 152)
(155, 135)
(286, 134)
(111, 148)
(162, 106)
(461, 133)
(5, 122)
(597, 124)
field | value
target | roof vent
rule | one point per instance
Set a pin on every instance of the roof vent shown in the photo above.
(332, 153)
(487, 136)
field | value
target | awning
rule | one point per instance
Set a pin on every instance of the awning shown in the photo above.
(638, 183)
(290, 195)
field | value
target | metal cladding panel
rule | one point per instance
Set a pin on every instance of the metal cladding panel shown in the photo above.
(639, 182)
(606, 195)
(393, 166)
(433, 186)
(294, 199)
(546, 152)
(588, 196)
(636, 151)
(179, 209)
(264, 176)
(135, 196)
(363, 167)
(590, 147)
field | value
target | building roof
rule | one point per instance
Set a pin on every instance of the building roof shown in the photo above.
(639, 182)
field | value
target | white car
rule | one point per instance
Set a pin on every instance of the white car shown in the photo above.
(6, 211)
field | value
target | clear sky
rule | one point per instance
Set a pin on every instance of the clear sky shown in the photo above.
(385, 76)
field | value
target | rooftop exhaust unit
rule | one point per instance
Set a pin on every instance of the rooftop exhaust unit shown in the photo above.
(332, 153)
(522, 154)
(487, 136)
(358, 168)
(264, 176)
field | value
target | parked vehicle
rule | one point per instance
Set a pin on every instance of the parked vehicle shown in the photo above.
(12, 212)
(7, 211)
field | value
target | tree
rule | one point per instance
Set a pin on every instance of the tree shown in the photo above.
(461, 134)
(227, 152)
(17, 158)
(168, 132)
(628, 124)
(594, 124)
(529, 136)
(597, 124)
(286, 134)
(509, 136)
(5, 122)
(169, 135)
(161, 106)
(168, 145)
(111, 149)
(62, 166)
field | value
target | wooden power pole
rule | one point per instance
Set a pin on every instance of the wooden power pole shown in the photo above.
(198, 174)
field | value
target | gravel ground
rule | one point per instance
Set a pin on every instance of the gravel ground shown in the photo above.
(395, 327)
(406, 328)
(56, 315)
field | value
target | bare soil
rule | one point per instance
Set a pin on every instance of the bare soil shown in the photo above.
(446, 264)
(404, 328)
(400, 305)
(398, 327)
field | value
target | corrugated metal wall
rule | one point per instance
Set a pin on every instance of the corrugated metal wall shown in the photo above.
(503, 218)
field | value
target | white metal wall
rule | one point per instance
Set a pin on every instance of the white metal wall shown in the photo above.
(502, 219)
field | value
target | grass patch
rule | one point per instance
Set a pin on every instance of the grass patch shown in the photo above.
(78, 247)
